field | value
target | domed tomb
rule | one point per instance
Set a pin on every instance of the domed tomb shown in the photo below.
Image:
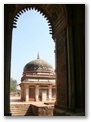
(38, 81)
(38, 64)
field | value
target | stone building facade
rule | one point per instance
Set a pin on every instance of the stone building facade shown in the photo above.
(38, 81)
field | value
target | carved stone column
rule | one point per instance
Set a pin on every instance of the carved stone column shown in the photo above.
(44, 95)
(37, 93)
(50, 92)
(27, 93)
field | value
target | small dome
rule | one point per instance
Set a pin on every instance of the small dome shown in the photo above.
(38, 64)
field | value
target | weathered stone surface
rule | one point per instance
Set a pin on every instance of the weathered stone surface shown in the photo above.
(42, 111)
(21, 110)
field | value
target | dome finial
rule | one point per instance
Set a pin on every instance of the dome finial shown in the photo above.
(38, 56)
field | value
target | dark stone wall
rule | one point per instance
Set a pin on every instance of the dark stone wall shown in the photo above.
(70, 61)
(61, 70)
(8, 21)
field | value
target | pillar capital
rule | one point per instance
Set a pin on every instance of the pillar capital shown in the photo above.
(50, 86)
(37, 86)
(27, 86)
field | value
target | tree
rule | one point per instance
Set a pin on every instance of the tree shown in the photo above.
(13, 85)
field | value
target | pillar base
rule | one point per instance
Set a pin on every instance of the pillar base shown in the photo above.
(65, 111)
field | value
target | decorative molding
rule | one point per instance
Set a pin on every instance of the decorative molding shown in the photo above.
(25, 9)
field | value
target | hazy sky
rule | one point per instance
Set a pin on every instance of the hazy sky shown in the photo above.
(30, 37)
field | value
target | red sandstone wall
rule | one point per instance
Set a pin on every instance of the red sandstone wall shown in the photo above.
(53, 93)
(31, 94)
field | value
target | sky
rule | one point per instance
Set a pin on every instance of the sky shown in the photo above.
(30, 37)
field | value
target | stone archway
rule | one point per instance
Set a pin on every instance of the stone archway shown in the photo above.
(66, 22)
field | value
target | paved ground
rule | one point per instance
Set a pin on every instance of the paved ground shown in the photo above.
(17, 100)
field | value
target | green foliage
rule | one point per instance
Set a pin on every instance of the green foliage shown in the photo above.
(13, 85)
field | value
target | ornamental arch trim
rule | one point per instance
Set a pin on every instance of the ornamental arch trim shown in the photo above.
(51, 12)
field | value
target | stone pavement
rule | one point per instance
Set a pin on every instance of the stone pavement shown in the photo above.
(22, 108)
(17, 100)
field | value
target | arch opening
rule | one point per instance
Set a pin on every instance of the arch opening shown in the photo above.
(36, 39)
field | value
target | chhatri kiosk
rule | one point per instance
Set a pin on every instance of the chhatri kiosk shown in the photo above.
(38, 81)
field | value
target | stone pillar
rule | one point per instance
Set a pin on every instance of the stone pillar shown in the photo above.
(37, 93)
(8, 20)
(70, 64)
(50, 92)
(27, 93)
(44, 95)
(21, 91)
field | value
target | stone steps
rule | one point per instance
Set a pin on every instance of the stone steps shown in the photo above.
(21, 110)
